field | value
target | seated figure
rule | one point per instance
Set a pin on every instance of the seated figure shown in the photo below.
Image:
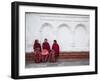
(52, 56)
(37, 55)
(45, 55)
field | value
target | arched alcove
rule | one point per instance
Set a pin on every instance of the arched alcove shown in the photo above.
(64, 36)
(81, 25)
(81, 36)
(46, 31)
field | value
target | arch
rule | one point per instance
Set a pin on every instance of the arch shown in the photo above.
(63, 25)
(46, 31)
(80, 36)
(46, 25)
(80, 25)
(64, 36)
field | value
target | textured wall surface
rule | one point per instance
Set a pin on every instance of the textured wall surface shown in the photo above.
(70, 30)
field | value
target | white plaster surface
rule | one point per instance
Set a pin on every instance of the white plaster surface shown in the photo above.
(71, 31)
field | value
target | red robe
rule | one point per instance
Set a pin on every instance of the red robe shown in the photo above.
(52, 56)
(46, 46)
(37, 53)
(37, 56)
(45, 55)
(37, 45)
(55, 47)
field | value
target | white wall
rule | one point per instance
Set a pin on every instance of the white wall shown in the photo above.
(71, 31)
(5, 40)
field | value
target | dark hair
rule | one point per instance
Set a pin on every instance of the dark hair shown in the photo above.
(55, 41)
(45, 39)
(36, 41)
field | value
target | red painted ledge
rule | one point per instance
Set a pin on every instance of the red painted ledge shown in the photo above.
(63, 55)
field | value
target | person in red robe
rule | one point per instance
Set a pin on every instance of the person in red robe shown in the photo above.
(37, 55)
(52, 57)
(45, 55)
(37, 52)
(45, 46)
(55, 47)
(36, 45)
